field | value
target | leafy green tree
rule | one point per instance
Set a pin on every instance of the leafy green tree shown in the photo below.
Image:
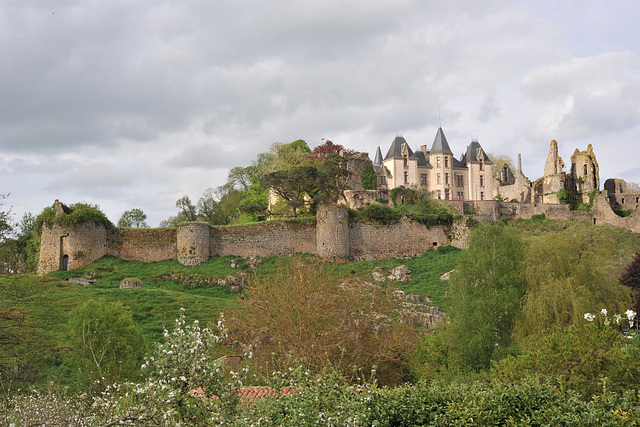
(569, 273)
(188, 210)
(485, 295)
(369, 177)
(631, 279)
(133, 218)
(294, 184)
(576, 357)
(106, 345)
(5, 218)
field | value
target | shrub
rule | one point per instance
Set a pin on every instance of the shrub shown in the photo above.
(381, 214)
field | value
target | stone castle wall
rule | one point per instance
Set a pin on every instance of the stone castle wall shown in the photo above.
(405, 238)
(193, 243)
(332, 231)
(604, 215)
(268, 239)
(65, 249)
(147, 245)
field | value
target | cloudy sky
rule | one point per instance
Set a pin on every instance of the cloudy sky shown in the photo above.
(133, 104)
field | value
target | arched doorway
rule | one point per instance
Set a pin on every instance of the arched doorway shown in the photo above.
(65, 262)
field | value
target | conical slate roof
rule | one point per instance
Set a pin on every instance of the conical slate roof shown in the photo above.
(395, 151)
(471, 155)
(440, 144)
(378, 160)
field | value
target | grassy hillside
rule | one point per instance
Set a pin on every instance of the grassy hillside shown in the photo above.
(35, 310)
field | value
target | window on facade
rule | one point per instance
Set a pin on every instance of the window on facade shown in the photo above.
(423, 178)
(439, 179)
(446, 178)
(446, 194)
(446, 162)
(481, 180)
(459, 181)
(482, 195)
(405, 160)
(439, 194)
(460, 195)
(437, 162)
(406, 177)
(585, 170)
(382, 180)
(481, 164)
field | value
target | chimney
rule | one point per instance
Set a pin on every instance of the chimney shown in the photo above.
(423, 148)
(519, 163)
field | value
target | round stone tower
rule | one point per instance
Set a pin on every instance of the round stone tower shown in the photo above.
(332, 231)
(193, 243)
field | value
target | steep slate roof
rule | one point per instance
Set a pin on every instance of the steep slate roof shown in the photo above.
(422, 159)
(440, 144)
(395, 151)
(471, 156)
(378, 160)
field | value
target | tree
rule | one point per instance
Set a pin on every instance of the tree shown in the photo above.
(133, 218)
(306, 313)
(188, 211)
(321, 151)
(633, 187)
(106, 345)
(631, 278)
(281, 156)
(499, 160)
(369, 177)
(485, 294)
(5, 219)
(569, 273)
(294, 184)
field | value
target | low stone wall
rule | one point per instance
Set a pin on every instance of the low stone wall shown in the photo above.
(604, 215)
(146, 245)
(494, 210)
(269, 239)
(406, 238)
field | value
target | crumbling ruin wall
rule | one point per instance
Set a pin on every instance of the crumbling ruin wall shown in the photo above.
(71, 248)
(604, 215)
(268, 239)
(142, 244)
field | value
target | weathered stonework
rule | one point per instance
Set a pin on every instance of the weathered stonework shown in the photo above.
(604, 215)
(146, 245)
(619, 196)
(332, 231)
(405, 238)
(268, 239)
(193, 243)
(70, 249)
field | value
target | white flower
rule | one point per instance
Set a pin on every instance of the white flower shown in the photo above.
(631, 314)
(589, 317)
(603, 311)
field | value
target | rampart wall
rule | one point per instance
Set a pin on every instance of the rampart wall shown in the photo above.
(405, 238)
(145, 245)
(268, 239)
(333, 235)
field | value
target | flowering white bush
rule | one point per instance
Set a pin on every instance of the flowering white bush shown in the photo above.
(617, 318)
(183, 386)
